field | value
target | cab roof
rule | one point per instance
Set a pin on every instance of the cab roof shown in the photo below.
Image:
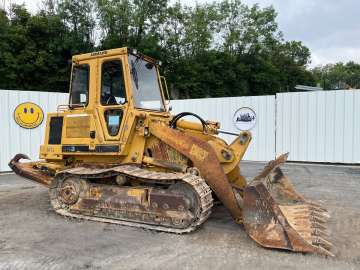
(111, 52)
(98, 54)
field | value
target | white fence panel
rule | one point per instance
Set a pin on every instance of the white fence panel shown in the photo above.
(262, 147)
(15, 139)
(321, 126)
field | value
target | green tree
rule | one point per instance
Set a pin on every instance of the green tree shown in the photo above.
(131, 23)
(35, 50)
(115, 21)
(77, 16)
(211, 50)
(338, 76)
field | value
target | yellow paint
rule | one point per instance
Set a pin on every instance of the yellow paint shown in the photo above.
(28, 115)
(136, 192)
(78, 127)
(94, 192)
(198, 152)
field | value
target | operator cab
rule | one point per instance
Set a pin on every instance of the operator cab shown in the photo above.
(126, 77)
(109, 91)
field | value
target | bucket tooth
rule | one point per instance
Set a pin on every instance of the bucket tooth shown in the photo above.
(319, 209)
(320, 213)
(317, 225)
(320, 220)
(317, 205)
(322, 216)
(320, 233)
(324, 251)
(319, 241)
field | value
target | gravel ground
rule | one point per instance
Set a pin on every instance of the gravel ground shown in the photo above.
(32, 236)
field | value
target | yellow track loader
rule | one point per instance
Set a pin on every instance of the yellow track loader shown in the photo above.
(116, 154)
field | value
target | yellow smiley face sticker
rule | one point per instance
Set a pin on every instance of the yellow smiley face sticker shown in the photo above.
(28, 115)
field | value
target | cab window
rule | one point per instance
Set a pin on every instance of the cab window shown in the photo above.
(112, 83)
(145, 84)
(113, 121)
(79, 89)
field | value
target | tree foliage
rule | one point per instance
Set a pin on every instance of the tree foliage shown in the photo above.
(222, 49)
(338, 76)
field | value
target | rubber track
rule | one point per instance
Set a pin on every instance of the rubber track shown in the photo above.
(198, 184)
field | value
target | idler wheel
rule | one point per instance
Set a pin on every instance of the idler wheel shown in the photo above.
(69, 191)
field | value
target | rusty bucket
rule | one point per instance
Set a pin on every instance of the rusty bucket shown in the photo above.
(276, 216)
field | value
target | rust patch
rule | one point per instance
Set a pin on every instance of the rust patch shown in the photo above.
(162, 151)
(29, 171)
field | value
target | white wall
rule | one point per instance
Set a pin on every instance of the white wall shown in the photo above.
(322, 126)
(319, 126)
(15, 139)
(262, 147)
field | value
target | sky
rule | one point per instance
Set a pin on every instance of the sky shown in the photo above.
(329, 28)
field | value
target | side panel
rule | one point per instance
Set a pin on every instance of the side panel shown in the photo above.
(78, 127)
(320, 126)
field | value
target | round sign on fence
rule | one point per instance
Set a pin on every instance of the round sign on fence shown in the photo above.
(28, 115)
(244, 118)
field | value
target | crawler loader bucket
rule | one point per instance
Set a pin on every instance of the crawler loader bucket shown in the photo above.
(276, 216)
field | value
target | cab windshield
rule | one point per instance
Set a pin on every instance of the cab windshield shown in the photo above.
(145, 84)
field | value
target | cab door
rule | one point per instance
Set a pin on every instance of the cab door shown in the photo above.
(78, 121)
(113, 103)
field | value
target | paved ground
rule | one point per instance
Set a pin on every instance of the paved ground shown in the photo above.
(32, 236)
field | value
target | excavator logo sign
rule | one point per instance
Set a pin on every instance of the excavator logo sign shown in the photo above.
(244, 118)
(28, 115)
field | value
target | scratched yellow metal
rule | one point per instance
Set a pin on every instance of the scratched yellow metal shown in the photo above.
(198, 152)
